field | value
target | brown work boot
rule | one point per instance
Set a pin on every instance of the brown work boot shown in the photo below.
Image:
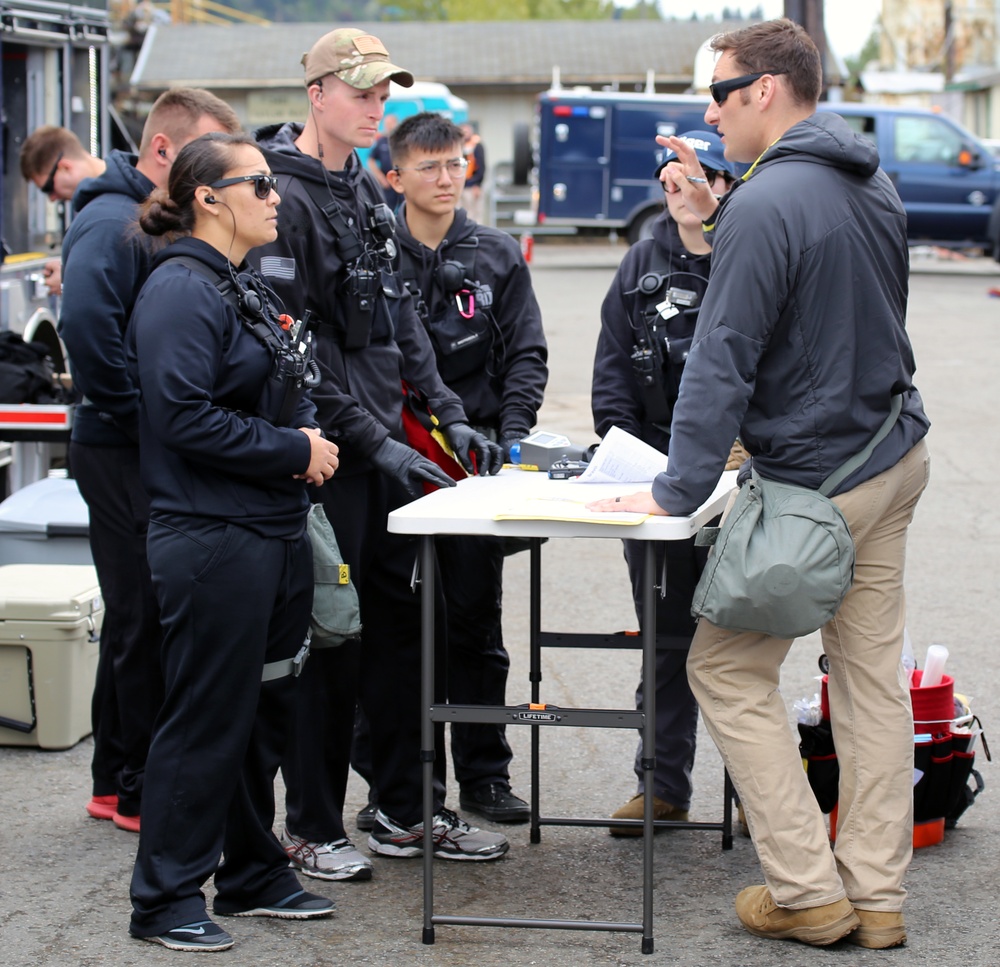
(879, 929)
(633, 810)
(818, 926)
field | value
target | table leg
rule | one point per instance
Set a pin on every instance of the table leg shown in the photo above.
(426, 553)
(648, 736)
(535, 674)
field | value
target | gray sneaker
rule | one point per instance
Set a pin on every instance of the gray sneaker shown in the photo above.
(454, 839)
(336, 860)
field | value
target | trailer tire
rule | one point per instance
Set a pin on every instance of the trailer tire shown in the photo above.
(642, 225)
(521, 167)
(993, 230)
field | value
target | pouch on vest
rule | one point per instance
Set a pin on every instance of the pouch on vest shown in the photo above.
(336, 613)
(462, 346)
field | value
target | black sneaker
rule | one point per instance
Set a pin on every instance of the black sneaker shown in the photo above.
(203, 935)
(297, 906)
(366, 817)
(496, 802)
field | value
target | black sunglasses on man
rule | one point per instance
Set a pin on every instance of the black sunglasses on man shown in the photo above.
(49, 185)
(720, 90)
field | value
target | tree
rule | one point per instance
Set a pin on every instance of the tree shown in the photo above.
(458, 10)
(643, 10)
(855, 65)
(414, 10)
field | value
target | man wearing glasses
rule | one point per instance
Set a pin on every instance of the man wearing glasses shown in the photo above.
(472, 291)
(801, 344)
(54, 160)
(335, 259)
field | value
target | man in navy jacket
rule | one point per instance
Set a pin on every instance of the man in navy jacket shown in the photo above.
(105, 263)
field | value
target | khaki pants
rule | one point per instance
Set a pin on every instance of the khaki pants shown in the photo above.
(735, 675)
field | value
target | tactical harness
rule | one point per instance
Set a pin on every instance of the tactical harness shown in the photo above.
(293, 369)
(664, 329)
(354, 316)
(463, 336)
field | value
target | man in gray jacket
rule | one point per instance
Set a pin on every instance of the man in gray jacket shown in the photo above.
(801, 346)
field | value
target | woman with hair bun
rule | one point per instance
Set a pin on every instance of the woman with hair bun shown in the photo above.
(229, 444)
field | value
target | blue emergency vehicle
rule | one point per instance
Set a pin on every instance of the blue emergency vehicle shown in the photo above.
(595, 153)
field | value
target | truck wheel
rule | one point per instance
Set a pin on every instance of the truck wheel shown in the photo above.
(993, 230)
(642, 225)
(521, 167)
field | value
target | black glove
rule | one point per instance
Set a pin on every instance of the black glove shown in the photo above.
(469, 444)
(408, 467)
(508, 438)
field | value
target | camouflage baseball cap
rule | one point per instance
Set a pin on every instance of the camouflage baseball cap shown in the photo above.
(357, 58)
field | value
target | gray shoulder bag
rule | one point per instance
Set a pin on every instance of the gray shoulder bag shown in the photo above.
(336, 613)
(783, 559)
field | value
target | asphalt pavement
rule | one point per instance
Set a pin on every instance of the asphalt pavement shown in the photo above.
(64, 877)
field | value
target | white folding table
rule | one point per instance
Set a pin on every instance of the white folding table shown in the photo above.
(471, 508)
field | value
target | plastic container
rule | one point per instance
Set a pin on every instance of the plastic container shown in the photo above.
(937, 655)
(50, 622)
(934, 706)
(46, 522)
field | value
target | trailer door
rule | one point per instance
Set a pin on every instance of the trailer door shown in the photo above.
(573, 180)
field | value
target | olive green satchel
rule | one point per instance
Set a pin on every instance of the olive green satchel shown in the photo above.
(783, 559)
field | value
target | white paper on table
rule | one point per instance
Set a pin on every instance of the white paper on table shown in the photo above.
(623, 458)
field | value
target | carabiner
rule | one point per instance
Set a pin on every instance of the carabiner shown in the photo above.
(472, 304)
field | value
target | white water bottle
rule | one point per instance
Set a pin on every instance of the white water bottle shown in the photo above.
(937, 655)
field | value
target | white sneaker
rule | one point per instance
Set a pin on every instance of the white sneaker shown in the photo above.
(453, 837)
(336, 860)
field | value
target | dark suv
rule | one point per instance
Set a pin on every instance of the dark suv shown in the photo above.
(947, 178)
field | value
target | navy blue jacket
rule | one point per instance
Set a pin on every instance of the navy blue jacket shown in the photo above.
(359, 401)
(801, 340)
(105, 262)
(615, 398)
(506, 395)
(200, 371)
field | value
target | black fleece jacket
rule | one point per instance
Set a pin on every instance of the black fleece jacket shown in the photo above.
(615, 398)
(201, 371)
(105, 262)
(506, 394)
(359, 400)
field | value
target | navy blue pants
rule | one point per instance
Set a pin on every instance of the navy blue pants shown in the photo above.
(129, 686)
(230, 601)
(383, 672)
(676, 708)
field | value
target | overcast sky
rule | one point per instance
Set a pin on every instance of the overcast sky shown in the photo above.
(849, 23)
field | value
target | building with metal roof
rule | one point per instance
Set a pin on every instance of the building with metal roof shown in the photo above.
(497, 66)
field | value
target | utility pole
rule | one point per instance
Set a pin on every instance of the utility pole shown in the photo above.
(949, 42)
(809, 13)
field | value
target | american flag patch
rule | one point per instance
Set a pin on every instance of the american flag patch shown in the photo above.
(275, 267)
(367, 44)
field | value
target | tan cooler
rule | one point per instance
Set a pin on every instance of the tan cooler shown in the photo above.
(50, 622)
